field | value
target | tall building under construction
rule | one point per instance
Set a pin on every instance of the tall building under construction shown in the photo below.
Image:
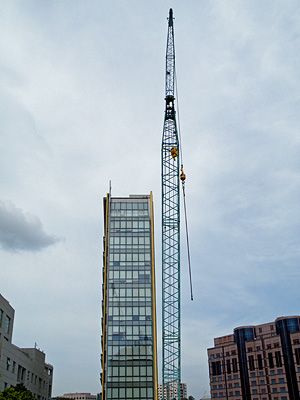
(129, 355)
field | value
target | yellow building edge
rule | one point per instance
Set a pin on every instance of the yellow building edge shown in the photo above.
(104, 296)
(154, 301)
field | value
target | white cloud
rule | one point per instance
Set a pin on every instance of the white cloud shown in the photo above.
(21, 231)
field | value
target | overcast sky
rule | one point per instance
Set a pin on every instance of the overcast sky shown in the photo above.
(82, 103)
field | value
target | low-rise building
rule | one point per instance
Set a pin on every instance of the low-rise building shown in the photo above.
(259, 362)
(169, 389)
(21, 365)
(79, 396)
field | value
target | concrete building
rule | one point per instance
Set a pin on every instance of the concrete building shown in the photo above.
(169, 390)
(259, 362)
(129, 360)
(21, 365)
(80, 396)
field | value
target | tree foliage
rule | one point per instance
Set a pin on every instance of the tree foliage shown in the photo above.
(18, 392)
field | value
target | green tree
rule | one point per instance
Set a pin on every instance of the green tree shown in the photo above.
(18, 392)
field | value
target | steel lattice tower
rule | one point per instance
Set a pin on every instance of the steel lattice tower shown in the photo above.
(170, 232)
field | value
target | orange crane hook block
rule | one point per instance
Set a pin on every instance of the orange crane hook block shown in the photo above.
(182, 175)
(174, 152)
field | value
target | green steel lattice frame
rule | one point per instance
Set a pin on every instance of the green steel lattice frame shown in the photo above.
(170, 234)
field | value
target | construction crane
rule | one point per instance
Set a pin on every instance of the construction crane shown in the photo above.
(171, 371)
(172, 173)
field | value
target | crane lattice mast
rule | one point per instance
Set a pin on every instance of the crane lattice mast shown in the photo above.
(170, 233)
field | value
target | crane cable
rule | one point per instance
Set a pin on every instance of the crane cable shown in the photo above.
(182, 177)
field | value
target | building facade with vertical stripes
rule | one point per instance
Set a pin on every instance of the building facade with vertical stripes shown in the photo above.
(259, 362)
(129, 346)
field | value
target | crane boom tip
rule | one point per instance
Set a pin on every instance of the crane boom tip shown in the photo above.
(171, 17)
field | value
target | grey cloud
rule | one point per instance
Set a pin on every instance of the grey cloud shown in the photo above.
(22, 231)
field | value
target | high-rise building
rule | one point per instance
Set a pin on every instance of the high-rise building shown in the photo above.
(169, 390)
(129, 360)
(21, 365)
(259, 362)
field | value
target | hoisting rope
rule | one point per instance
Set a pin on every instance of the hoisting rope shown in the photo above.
(187, 241)
(182, 177)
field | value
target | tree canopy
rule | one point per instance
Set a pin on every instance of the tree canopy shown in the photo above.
(18, 392)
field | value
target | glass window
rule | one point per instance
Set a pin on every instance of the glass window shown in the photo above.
(216, 368)
(271, 362)
(297, 353)
(228, 366)
(7, 324)
(234, 365)
(259, 361)
(251, 363)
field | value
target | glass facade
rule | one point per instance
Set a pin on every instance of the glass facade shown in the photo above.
(242, 335)
(129, 322)
(284, 327)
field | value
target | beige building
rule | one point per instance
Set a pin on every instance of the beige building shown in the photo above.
(21, 365)
(80, 396)
(259, 362)
(168, 390)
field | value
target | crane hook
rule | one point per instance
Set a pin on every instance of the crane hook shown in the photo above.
(182, 175)
(174, 152)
